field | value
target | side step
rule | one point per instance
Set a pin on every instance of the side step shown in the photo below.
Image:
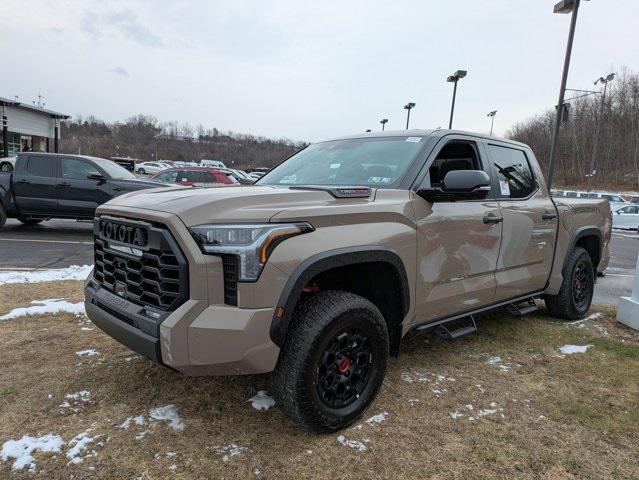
(470, 327)
(522, 309)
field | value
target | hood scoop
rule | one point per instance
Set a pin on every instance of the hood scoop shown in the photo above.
(338, 192)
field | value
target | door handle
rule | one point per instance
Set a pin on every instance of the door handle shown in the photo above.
(548, 216)
(64, 184)
(493, 219)
(23, 181)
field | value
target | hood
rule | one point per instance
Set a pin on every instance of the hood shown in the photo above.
(244, 204)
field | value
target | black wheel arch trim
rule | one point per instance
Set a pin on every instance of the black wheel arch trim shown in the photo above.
(328, 260)
(578, 235)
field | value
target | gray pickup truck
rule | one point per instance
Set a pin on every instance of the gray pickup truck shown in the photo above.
(318, 271)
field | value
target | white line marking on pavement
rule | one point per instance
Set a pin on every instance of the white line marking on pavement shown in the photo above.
(625, 235)
(44, 241)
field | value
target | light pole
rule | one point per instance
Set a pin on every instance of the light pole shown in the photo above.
(383, 121)
(454, 78)
(564, 6)
(595, 147)
(492, 120)
(408, 107)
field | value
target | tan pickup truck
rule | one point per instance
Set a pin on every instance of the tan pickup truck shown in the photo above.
(320, 269)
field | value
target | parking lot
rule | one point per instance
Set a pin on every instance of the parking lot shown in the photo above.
(61, 243)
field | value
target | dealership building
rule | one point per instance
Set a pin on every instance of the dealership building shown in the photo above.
(28, 128)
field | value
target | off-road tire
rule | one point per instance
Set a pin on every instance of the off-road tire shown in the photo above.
(317, 322)
(3, 216)
(29, 221)
(563, 305)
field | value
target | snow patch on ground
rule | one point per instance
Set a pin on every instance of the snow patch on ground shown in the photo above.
(437, 379)
(228, 451)
(42, 307)
(139, 420)
(377, 419)
(570, 349)
(594, 316)
(79, 444)
(87, 353)
(74, 272)
(22, 450)
(359, 446)
(262, 401)
(169, 414)
(73, 401)
(497, 361)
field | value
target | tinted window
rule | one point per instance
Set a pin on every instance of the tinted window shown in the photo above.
(209, 177)
(73, 168)
(455, 155)
(629, 210)
(41, 166)
(112, 169)
(168, 177)
(515, 176)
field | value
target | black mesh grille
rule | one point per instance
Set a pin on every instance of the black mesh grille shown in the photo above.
(231, 269)
(158, 278)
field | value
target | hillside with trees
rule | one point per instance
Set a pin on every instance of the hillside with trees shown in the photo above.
(145, 138)
(618, 152)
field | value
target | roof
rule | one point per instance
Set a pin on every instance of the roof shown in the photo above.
(14, 103)
(440, 132)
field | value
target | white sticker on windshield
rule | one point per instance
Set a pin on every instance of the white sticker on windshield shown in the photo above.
(335, 165)
(504, 187)
(414, 139)
(379, 179)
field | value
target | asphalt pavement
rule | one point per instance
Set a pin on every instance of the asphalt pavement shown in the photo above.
(61, 243)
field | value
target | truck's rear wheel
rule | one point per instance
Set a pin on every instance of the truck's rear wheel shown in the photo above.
(3, 216)
(333, 362)
(575, 296)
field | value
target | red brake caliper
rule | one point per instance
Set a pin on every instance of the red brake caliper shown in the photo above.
(344, 365)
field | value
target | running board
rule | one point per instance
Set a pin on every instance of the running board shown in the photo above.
(521, 310)
(444, 332)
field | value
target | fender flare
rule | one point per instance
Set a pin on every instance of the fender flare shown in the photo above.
(323, 262)
(579, 234)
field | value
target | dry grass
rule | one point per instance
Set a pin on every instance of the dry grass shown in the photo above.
(572, 417)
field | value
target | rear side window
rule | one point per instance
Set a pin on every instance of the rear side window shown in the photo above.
(516, 179)
(41, 166)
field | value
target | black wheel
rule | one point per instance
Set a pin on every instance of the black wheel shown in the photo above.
(30, 221)
(333, 362)
(141, 171)
(6, 167)
(3, 216)
(575, 296)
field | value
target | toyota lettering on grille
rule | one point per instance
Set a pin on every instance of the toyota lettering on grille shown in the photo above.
(122, 233)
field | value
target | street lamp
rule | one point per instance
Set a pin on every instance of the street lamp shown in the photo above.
(492, 119)
(454, 78)
(564, 6)
(383, 121)
(595, 147)
(408, 107)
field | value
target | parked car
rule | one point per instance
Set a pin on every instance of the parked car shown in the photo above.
(48, 185)
(149, 168)
(319, 270)
(7, 164)
(190, 176)
(634, 199)
(125, 162)
(212, 163)
(626, 217)
(616, 201)
(238, 175)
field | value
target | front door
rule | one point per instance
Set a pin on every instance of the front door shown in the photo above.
(457, 242)
(79, 196)
(34, 185)
(530, 222)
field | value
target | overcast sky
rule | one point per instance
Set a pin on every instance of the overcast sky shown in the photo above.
(307, 70)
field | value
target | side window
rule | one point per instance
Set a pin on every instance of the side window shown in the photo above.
(76, 169)
(516, 179)
(455, 155)
(41, 166)
(210, 177)
(168, 177)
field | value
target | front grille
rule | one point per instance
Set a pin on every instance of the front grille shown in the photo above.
(156, 278)
(231, 269)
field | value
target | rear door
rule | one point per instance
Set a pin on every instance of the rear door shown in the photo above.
(626, 217)
(530, 221)
(34, 185)
(457, 242)
(78, 196)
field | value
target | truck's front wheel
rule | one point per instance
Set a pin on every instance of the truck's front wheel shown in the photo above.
(333, 362)
(575, 296)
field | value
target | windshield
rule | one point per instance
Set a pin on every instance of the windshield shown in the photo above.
(113, 170)
(375, 162)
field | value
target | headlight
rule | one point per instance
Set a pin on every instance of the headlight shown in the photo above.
(252, 244)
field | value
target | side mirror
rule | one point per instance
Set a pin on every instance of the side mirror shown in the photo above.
(459, 185)
(96, 176)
